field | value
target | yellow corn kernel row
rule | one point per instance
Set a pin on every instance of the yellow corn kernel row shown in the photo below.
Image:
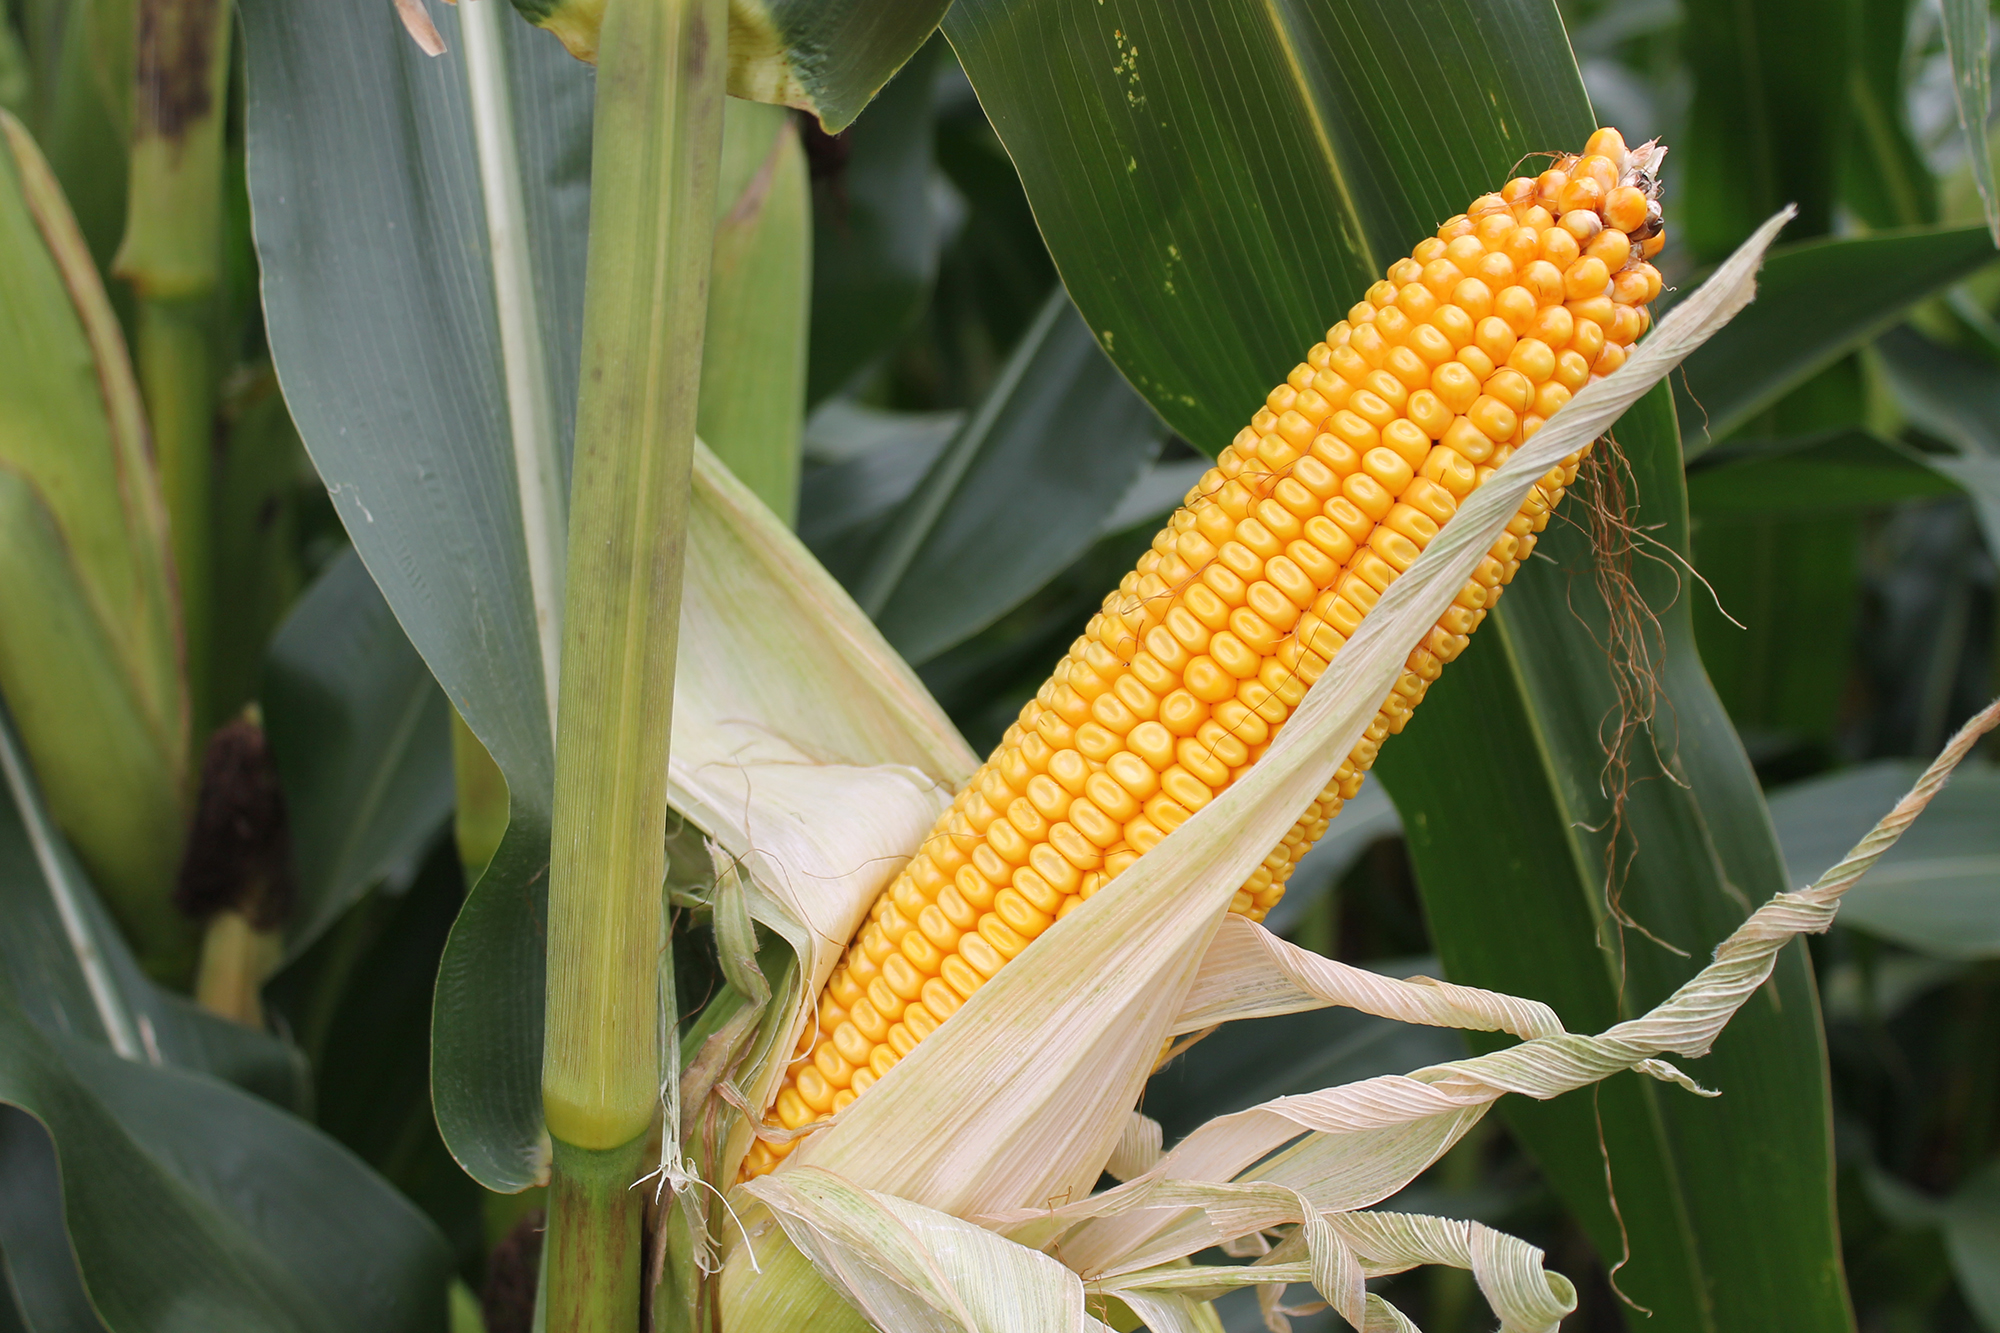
(1178, 685)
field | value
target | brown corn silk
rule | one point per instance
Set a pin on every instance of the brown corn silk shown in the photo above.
(1459, 354)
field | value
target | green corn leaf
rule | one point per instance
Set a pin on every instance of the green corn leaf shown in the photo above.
(417, 417)
(957, 555)
(188, 1203)
(1967, 46)
(1820, 300)
(358, 730)
(1765, 124)
(1952, 398)
(1938, 890)
(1216, 194)
(753, 361)
(90, 656)
(827, 57)
(876, 236)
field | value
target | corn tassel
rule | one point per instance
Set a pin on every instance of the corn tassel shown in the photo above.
(1179, 683)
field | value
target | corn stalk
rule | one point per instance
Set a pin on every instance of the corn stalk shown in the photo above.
(656, 139)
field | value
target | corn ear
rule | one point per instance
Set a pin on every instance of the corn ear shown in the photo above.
(1176, 689)
(90, 652)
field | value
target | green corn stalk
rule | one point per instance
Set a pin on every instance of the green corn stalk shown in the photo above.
(656, 142)
(90, 652)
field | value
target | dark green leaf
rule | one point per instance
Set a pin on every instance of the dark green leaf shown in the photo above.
(863, 464)
(1766, 122)
(753, 360)
(825, 56)
(190, 1204)
(1832, 472)
(1771, 582)
(1970, 1221)
(265, 495)
(1938, 889)
(1021, 491)
(358, 1002)
(1727, 1202)
(875, 232)
(360, 733)
(386, 352)
(1966, 42)
(85, 981)
(194, 1206)
(1816, 302)
(1956, 399)
(1884, 177)
(1217, 186)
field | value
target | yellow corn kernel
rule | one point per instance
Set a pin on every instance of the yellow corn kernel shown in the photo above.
(1174, 690)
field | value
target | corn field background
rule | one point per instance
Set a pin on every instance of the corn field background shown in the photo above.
(293, 338)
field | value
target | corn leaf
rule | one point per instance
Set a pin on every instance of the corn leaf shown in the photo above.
(1766, 121)
(1968, 47)
(956, 556)
(1951, 397)
(76, 976)
(753, 363)
(828, 57)
(1821, 300)
(89, 632)
(876, 231)
(188, 1203)
(1938, 890)
(1830, 472)
(359, 732)
(1215, 187)
(408, 399)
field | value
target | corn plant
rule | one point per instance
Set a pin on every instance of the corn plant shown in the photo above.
(489, 793)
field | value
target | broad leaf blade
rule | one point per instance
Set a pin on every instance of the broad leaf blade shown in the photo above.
(1218, 187)
(1818, 302)
(1966, 43)
(1956, 399)
(1937, 890)
(86, 982)
(1017, 494)
(753, 360)
(876, 235)
(828, 57)
(190, 1203)
(359, 732)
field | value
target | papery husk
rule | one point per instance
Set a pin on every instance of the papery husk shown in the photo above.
(904, 1265)
(803, 745)
(912, 1269)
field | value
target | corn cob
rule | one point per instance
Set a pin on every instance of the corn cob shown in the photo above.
(1178, 685)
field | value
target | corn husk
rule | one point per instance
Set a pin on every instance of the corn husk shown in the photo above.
(90, 644)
